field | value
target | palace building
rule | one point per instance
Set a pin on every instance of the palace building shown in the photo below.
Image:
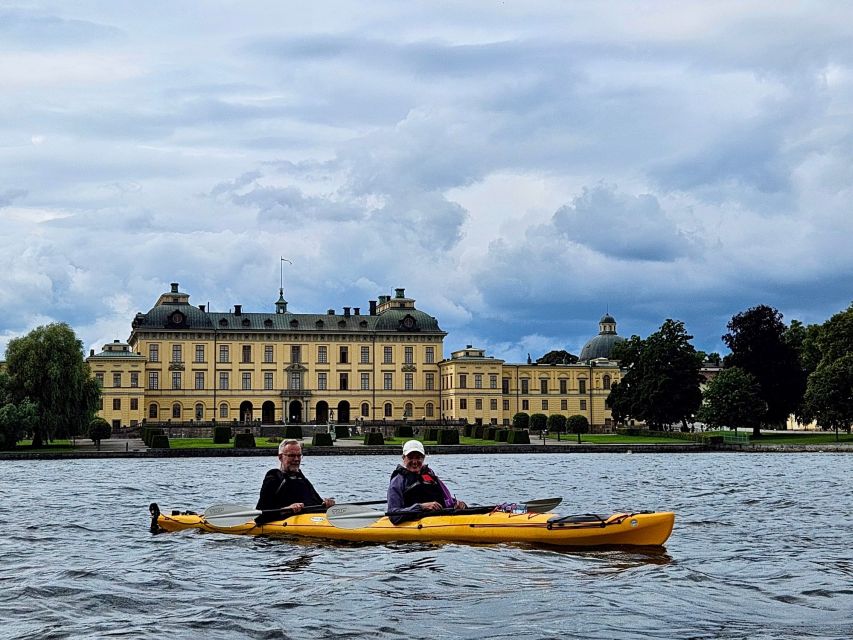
(185, 363)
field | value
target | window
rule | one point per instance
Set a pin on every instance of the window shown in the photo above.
(388, 381)
(365, 355)
(176, 411)
(100, 378)
(343, 353)
(544, 404)
(295, 380)
(493, 404)
(153, 379)
(365, 410)
(134, 404)
(429, 410)
(134, 379)
(525, 386)
(344, 378)
(268, 353)
(564, 405)
(176, 353)
(506, 405)
(430, 382)
(543, 386)
(388, 409)
(564, 386)
(199, 353)
(323, 354)
(409, 355)
(387, 355)
(223, 410)
(199, 411)
(154, 352)
(409, 381)
(583, 405)
(247, 380)
(365, 381)
(224, 353)
(429, 355)
(247, 353)
(505, 385)
(322, 381)
(152, 411)
(525, 405)
(478, 380)
(267, 380)
(116, 379)
(176, 379)
(199, 379)
(463, 381)
(606, 381)
(493, 381)
(478, 404)
(295, 353)
(224, 382)
(581, 386)
(116, 404)
(408, 409)
(463, 403)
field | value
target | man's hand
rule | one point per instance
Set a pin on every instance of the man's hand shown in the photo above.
(328, 502)
(296, 507)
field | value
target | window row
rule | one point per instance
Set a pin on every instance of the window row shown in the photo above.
(295, 381)
(117, 404)
(493, 404)
(246, 354)
(117, 379)
(177, 411)
(544, 384)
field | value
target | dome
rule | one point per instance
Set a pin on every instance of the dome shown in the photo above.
(607, 319)
(601, 346)
(406, 320)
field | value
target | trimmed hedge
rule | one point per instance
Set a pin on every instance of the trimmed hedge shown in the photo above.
(293, 432)
(322, 440)
(490, 433)
(404, 431)
(501, 435)
(159, 441)
(468, 430)
(518, 436)
(342, 431)
(148, 434)
(244, 441)
(479, 430)
(448, 436)
(431, 433)
(374, 438)
(221, 435)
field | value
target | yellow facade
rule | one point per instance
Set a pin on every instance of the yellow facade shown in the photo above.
(191, 364)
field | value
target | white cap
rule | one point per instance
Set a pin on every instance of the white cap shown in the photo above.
(413, 445)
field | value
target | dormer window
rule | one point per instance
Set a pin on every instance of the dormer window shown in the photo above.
(267, 322)
(246, 322)
(294, 323)
(223, 322)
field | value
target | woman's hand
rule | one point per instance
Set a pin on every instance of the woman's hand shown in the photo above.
(460, 505)
(430, 506)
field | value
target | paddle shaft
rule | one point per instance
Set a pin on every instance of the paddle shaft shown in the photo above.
(226, 511)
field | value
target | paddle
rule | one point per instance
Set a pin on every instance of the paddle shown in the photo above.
(347, 516)
(232, 515)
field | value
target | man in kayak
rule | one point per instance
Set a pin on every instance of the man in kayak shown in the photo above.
(414, 488)
(286, 487)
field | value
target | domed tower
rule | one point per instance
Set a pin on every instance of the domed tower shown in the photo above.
(601, 346)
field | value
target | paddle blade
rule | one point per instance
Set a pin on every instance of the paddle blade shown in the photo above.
(351, 516)
(229, 515)
(542, 505)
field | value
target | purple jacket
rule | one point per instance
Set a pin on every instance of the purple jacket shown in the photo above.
(398, 509)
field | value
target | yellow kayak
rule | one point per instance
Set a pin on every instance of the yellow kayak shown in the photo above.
(345, 522)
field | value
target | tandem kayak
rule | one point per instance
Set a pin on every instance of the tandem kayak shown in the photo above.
(481, 526)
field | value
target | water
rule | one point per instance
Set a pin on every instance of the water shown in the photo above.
(761, 549)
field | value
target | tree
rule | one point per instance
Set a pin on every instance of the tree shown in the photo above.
(557, 357)
(578, 424)
(538, 421)
(16, 420)
(733, 399)
(556, 424)
(661, 383)
(99, 429)
(829, 396)
(46, 367)
(520, 421)
(758, 345)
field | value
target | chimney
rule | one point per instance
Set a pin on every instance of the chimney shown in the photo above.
(357, 311)
(346, 312)
(201, 308)
(116, 341)
(238, 309)
(373, 307)
(330, 312)
(91, 352)
(174, 287)
(399, 292)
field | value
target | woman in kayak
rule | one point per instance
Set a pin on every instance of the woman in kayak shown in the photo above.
(286, 487)
(414, 488)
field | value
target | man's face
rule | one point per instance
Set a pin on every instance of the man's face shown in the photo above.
(413, 461)
(291, 458)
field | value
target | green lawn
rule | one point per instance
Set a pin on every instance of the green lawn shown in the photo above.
(207, 443)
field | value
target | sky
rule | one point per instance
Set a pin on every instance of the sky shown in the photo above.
(520, 168)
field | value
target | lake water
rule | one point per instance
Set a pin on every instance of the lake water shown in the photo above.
(761, 549)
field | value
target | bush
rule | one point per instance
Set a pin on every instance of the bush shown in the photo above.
(244, 441)
(520, 421)
(479, 430)
(148, 434)
(221, 435)
(293, 432)
(518, 436)
(468, 430)
(431, 433)
(99, 429)
(374, 438)
(341, 431)
(538, 422)
(322, 440)
(448, 436)
(404, 431)
(159, 441)
(501, 435)
(578, 424)
(489, 433)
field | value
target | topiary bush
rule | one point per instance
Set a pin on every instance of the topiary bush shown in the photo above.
(501, 435)
(479, 430)
(244, 441)
(322, 440)
(221, 435)
(148, 434)
(490, 433)
(374, 438)
(293, 432)
(468, 430)
(341, 431)
(159, 441)
(99, 429)
(404, 431)
(520, 421)
(578, 424)
(518, 436)
(538, 421)
(448, 436)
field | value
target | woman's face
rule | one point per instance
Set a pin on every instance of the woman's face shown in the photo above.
(413, 461)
